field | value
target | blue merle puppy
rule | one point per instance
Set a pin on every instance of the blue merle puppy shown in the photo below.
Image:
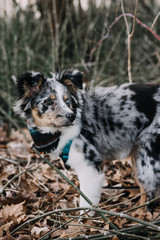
(88, 127)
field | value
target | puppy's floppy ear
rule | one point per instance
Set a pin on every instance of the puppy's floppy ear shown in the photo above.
(29, 84)
(73, 78)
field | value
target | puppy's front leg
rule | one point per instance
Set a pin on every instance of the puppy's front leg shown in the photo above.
(90, 184)
(90, 178)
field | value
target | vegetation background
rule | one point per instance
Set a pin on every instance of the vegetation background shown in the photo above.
(45, 35)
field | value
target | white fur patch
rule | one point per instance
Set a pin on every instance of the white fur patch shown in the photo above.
(90, 179)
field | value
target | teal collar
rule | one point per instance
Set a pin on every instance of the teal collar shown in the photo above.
(45, 142)
(65, 152)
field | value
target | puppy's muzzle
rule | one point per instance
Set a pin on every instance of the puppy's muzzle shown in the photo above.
(70, 116)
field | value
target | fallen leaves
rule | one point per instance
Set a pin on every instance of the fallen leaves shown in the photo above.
(40, 190)
(10, 216)
(38, 231)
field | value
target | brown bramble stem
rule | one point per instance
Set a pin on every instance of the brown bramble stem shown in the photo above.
(113, 23)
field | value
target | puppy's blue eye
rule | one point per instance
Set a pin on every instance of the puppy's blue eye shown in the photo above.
(68, 101)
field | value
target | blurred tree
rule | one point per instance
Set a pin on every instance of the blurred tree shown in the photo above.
(56, 10)
(54, 14)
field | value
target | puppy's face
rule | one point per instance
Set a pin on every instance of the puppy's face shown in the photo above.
(53, 106)
(49, 102)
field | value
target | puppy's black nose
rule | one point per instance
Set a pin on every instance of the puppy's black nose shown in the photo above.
(71, 116)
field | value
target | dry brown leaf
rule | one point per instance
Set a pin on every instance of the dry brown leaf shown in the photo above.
(56, 234)
(149, 216)
(115, 238)
(11, 215)
(118, 175)
(21, 136)
(14, 210)
(62, 203)
(8, 237)
(106, 226)
(38, 231)
(3, 177)
(141, 214)
(120, 222)
(10, 169)
(47, 172)
(5, 227)
(33, 185)
(71, 231)
(24, 237)
(63, 235)
(18, 149)
(133, 192)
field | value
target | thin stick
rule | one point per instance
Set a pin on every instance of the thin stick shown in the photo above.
(134, 19)
(155, 20)
(47, 214)
(63, 224)
(125, 18)
(105, 236)
(12, 179)
(111, 26)
(121, 215)
(129, 37)
(9, 160)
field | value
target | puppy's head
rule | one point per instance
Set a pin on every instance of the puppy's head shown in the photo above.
(49, 102)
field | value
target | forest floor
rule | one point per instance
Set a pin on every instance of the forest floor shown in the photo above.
(33, 194)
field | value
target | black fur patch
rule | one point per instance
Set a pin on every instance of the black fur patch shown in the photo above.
(144, 99)
(74, 77)
(31, 82)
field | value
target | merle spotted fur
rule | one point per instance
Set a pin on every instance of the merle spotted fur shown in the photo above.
(104, 124)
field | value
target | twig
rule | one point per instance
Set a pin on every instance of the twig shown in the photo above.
(111, 26)
(100, 235)
(143, 205)
(125, 18)
(104, 235)
(155, 20)
(9, 160)
(47, 214)
(129, 37)
(63, 194)
(122, 215)
(77, 225)
(142, 223)
(13, 178)
(63, 224)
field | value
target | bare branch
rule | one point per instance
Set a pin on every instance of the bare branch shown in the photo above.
(155, 20)
(111, 26)
(129, 36)
(134, 19)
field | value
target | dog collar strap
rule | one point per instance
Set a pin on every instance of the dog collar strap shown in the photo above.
(65, 152)
(44, 142)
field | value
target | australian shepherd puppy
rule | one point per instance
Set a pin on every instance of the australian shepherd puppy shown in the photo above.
(88, 127)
